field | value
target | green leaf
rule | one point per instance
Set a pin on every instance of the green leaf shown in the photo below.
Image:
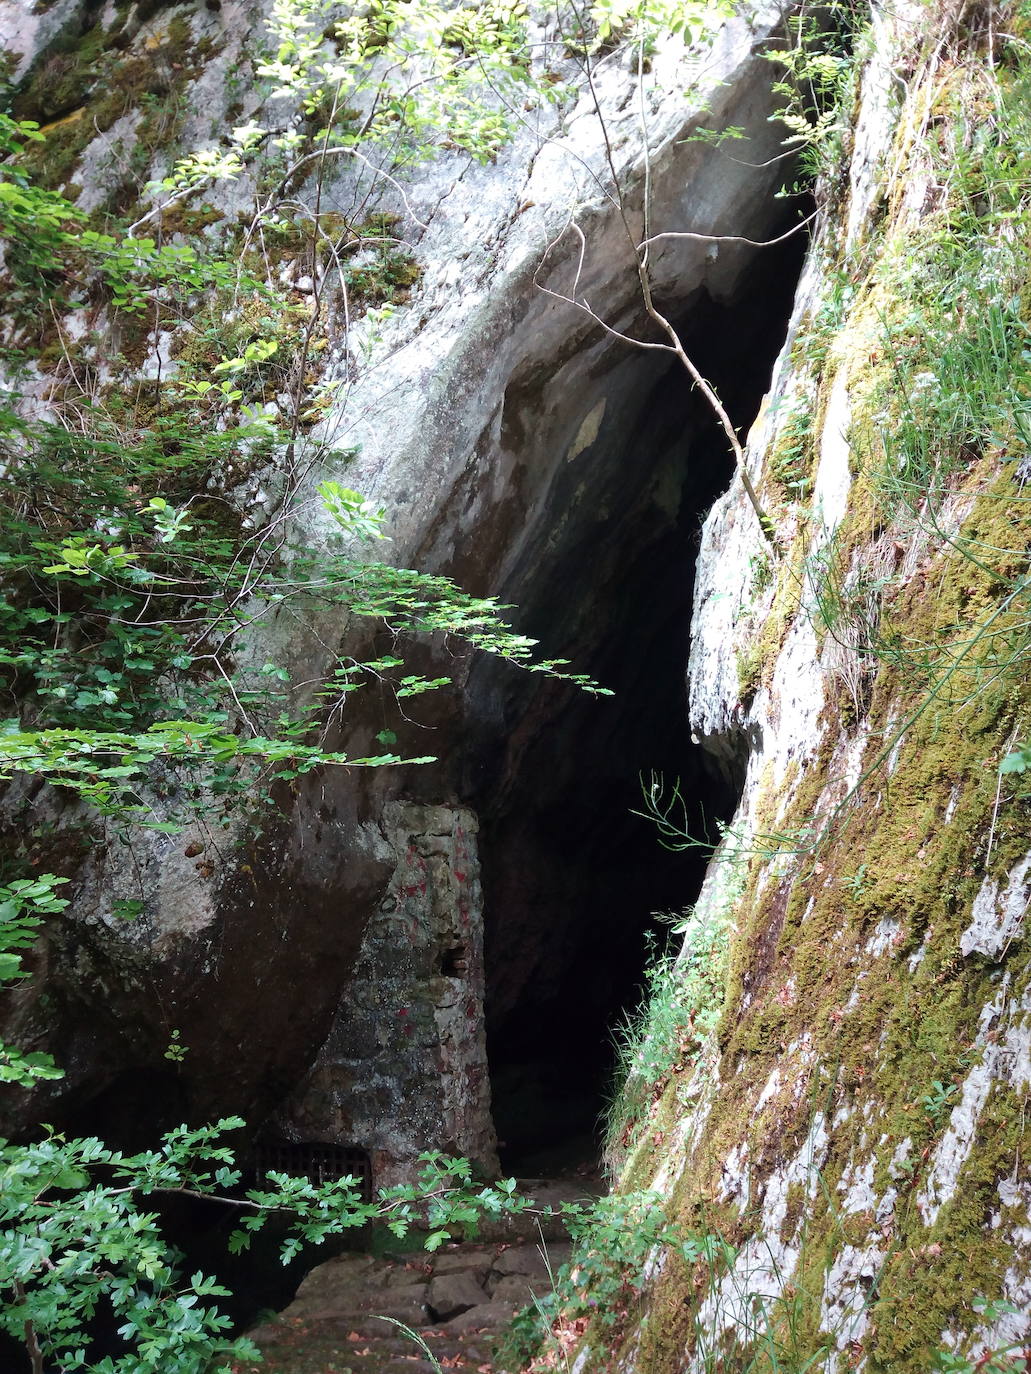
(71, 1178)
(1019, 761)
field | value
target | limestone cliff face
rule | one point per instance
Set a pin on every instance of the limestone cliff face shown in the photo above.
(856, 1130)
(518, 447)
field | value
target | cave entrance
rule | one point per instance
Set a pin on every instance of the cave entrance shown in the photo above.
(572, 878)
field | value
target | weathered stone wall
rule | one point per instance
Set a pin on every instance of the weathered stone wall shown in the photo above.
(404, 1066)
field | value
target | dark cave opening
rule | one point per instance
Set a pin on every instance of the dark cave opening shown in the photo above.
(572, 877)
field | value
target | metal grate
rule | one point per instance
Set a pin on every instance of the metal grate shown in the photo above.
(316, 1162)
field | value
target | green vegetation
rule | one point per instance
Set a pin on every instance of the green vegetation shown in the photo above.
(23, 905)
(126, 619)
(681, 1007)
(614, 1239)
(82, 1253)
(817, 77)
(132, 575)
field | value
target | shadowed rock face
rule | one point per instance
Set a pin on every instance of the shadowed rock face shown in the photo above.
(247, 976)
(570, 875)
(531, 455)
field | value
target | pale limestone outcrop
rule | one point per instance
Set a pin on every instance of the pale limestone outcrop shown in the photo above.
(819, 1116)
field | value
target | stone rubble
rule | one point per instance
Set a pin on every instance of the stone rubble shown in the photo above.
(457, 1300)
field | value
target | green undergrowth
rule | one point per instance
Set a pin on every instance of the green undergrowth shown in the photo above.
(131, 577)
(603, 1281)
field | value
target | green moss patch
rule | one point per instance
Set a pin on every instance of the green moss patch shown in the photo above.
(850, 1003)
(84, 84)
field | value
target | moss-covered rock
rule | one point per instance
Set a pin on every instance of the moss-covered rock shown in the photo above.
(861, 1141)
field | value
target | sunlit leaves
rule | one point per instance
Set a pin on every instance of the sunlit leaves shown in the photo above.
(352, 513)
(645, 21)
(434, 75)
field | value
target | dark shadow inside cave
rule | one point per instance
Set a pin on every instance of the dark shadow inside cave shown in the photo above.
(571, 876)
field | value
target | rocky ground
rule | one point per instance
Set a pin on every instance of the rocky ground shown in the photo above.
(346, 1314)
(458, 1301)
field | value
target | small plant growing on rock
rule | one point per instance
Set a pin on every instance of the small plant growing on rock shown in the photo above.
(615, 1239)
(938, 1099)
(682, 1005)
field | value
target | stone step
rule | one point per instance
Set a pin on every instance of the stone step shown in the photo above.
(458, 1299)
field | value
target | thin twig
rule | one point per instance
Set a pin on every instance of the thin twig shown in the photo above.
(31, 1336)
(732, 238)
(639, 250)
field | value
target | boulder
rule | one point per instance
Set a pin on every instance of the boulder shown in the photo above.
(450, 1294)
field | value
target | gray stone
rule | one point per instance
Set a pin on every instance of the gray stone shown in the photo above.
(268, 1333)
(406, 1056)
(558, 1253)
(450, 1294)
(401, 1275)
(397, 1292)
(489, 1316)
(463, 1257)
(405, 1304)
(520, 1288)
(342, 1272)
(522, 1259)
(998, 912)
(476, 1260)
(349, 1304)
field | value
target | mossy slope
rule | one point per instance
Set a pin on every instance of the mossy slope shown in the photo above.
(860, 1138)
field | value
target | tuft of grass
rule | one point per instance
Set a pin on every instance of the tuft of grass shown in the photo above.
(682, 1003)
